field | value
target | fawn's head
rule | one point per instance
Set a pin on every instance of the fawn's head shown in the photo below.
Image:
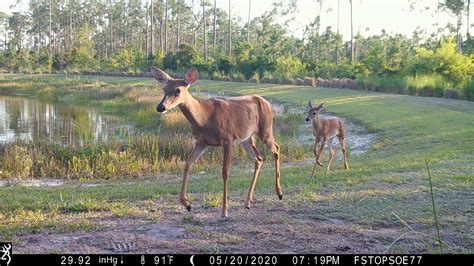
(175, 90)
(313, 112)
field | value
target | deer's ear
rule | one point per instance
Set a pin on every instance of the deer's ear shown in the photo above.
(191, 76)
(321, 106)
(160, 75)
(310, 105)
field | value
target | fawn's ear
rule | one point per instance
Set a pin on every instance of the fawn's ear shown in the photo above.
(310, 105)
(160, 75)
(191, 76)
(321, 106)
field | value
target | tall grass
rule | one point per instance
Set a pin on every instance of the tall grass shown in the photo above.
(434, 206)
(163, 145)
(429, 85)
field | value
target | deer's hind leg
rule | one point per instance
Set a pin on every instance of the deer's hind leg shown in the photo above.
(342, 141)
(225, 175)
(275, 149)
(252, 151)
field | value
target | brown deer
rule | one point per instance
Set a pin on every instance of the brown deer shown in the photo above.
(219, 122)
(324, 130)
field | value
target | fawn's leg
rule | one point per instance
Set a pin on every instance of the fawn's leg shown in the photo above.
(342, 141)
(331, 155)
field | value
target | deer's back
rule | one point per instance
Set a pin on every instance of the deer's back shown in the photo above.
(329, 127)
(235, 118)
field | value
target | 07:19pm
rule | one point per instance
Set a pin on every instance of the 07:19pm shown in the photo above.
(315, 260)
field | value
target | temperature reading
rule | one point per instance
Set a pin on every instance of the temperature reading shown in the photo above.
(163, 260)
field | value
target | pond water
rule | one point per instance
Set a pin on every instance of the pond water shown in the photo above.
(33, 120)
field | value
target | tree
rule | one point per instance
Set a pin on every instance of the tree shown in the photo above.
(204, 29)
(4, 25)
(352, 34)
(248, 23)
(230, 31)
(337, 43)
(152, 39)
(455, 7)
(18, 23)
(214, 32)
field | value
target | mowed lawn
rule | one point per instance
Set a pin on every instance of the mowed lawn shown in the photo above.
(381, 204)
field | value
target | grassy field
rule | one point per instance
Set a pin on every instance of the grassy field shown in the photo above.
(382, 204)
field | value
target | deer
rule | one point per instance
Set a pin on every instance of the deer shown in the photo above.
(219, 122)
(324, 131)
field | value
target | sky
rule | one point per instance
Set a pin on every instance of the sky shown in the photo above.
(370, 16)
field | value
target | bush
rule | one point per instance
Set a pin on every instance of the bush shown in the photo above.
(438, 92)
(444, 60)
(427, 91)
(183, 59)
(62, 60)
(451, 94)
(226, 64)
(469, 91)
(288, 67)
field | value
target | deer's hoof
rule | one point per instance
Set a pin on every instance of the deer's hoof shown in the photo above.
(189, 207)
(247, 204)
(280, 196)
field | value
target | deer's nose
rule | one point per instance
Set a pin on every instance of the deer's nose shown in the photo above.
(160, 108)
(307, 119)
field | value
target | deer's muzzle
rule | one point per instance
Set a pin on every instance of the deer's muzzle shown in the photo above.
(160, 108)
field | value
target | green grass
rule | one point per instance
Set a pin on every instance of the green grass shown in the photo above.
(389, 178)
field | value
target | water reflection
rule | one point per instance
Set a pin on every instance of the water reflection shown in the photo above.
(31, 120)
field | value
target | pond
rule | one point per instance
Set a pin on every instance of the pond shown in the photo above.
(56, 122)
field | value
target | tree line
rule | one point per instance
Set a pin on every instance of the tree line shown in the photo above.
(130, 36)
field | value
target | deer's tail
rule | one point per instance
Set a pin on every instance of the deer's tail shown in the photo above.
(342, 130)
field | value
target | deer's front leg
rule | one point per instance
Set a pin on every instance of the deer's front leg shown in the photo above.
(316, 160)
(195, 154)
(225, 174)
(318, 154)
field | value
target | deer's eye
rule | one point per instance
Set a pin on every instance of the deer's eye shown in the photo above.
(177, 92)
(314, 113)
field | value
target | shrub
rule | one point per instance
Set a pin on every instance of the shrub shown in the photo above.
(427, 91)
(438, 92)
(289, 67)
(226, 64)
(444, 60)
(451, 94)
(469, 91)
(183, 59)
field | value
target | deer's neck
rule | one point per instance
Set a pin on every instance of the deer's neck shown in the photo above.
(317, 123)
(192, 110)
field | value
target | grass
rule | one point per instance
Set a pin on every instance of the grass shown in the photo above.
(434, 207)
(389, 178)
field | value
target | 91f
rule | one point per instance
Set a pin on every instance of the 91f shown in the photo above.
(316, 260)
(163, 260)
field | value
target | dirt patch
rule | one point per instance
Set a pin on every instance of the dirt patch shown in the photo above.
(32, 182)
(286, 230)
